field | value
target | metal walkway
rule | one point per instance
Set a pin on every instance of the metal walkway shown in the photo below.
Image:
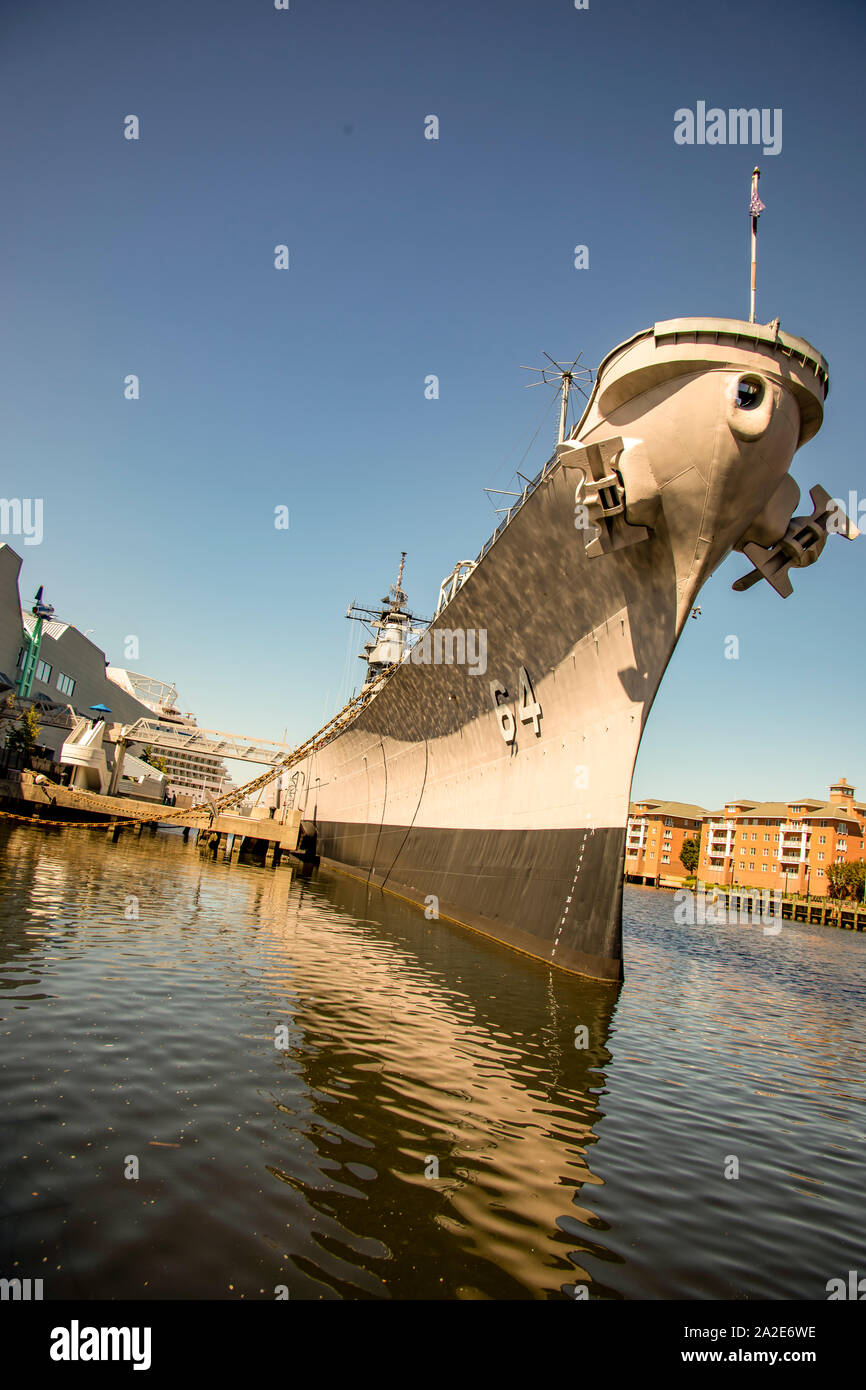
(157, 735)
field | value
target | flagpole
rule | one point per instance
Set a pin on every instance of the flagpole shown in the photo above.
(755, 203)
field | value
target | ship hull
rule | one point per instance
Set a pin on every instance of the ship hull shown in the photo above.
(492, 787)
(510, 885)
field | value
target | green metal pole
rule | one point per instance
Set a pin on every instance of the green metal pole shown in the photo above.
(40, 611)
(31, 657)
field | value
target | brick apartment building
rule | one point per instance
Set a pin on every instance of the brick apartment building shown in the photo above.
(783, 845)
(654, 838)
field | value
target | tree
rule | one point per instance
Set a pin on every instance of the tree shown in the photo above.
(690, 855)
(835, 880)
(22, 737)
(847, 880)
(148, 756)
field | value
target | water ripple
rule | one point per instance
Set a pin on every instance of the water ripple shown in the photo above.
(321, 1090)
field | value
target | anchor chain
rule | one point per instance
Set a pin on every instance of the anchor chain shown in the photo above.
(324, 736)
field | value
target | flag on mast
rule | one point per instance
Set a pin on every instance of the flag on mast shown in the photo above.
(756, 207)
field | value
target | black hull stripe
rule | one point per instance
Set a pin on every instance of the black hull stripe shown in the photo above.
(513, 886)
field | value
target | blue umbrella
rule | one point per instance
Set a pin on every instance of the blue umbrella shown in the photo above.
(103, 709)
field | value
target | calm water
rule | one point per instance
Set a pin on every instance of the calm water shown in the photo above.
(408, 1044)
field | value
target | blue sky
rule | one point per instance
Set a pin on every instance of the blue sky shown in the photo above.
(408, 257)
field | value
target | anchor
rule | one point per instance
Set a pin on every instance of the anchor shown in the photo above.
(603, 494)
(800, 546)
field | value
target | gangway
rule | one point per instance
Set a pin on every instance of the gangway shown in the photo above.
(154, 734)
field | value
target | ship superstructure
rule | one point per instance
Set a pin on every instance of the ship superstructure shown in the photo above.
(391, 627)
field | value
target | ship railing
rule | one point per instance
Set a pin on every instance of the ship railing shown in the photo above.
(513, 510)
(528, 490)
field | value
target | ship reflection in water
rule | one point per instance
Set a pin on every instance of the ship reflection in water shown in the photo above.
(409, 1048)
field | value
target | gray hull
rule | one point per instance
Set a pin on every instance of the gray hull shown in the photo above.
(498, 798)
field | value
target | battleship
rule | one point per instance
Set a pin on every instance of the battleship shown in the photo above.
(485, 771)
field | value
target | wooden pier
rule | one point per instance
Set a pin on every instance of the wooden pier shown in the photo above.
(824, 912)
(265, 841)
(827, 913)
(258, 838)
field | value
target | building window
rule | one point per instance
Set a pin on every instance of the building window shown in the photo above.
(65, 684)
(754, 837)
(765, 851)
(820, 873)
(666, 859)
(43, 672)
(822, 839)
(820, 854)
(742, 864)
(763, 868)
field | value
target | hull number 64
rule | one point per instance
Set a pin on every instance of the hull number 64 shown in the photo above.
(528, 708)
